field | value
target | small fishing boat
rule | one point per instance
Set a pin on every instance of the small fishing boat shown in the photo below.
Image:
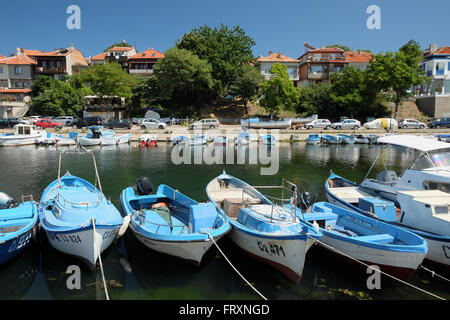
(267, 231)
(267, 139)
(330, 139)
(373, 139)
(77, 218)
(16, 226)
(347, 139)
(24, 134)
(272, 124)
(394, 250)
(48, 138)
(113, 140)
(94, 136)
(199, 139)
(243, 138)
(423, 212)
(180, 140)
(148, 140)
(220, 140)
(443, 137)
(313, 139)
(299, 122)
(67, 141)
(172, 223)
(361, 139)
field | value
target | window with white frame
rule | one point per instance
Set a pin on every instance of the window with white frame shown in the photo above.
(17, 70)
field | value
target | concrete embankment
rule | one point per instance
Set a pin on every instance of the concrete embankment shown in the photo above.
(231, 131)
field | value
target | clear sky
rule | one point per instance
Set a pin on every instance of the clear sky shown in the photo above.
(278, 25)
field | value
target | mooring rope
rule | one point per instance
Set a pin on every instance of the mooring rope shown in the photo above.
(382, 272)
(100, 260)
(433, 273)
(234, 267)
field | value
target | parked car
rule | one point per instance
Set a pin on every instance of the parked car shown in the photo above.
(33, 119)
(152, 124)
(411, 123)
(89, 121)
(440, 123)
(67, 120)
(119, 123)
(137, 121)
(47, 123)
(205, 124)
(10, 122)
(318, 123)
(346, 124)
(386, 123)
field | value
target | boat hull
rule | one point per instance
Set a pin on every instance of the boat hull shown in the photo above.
(14, 246)
(285, 254)
(89, 142)
(83, 243)
(14, 141)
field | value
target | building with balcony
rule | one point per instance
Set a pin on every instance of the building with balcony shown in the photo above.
(142, 63)
(120, 55)
(265, 65)
(16, 78)
(316, 65)
(58, 63)
(436, 64)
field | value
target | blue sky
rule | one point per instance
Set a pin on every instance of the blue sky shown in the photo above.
(282, 26)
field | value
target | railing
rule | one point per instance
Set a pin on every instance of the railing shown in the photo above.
(150, 71)
(292, 210)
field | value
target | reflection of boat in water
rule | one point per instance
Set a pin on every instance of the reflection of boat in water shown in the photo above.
(55, 269)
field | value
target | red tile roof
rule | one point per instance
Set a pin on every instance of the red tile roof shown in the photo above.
(442, 50)
(115, 49)
(15, 90)
(147, 54)
(358, 56)
(277, 57)
(326, 50)
(37, 53)
(20, 59)
(100, 56)
(1, 56)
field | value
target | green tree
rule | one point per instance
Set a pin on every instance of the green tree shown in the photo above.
(315, 98)
(225, 49)
(279, 93)
(118, 44)
(248, 84)
(183, 81)
(396, 73)
(109, 80)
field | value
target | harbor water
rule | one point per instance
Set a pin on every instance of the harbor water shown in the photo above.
(133, 271)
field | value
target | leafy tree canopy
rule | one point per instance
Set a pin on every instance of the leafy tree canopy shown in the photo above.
(119, 44)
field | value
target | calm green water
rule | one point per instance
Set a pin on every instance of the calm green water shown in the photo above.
(135, 272)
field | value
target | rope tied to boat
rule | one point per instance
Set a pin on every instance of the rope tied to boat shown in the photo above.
(251, 286)
(433, 273)
(369, 266)
(100, 260)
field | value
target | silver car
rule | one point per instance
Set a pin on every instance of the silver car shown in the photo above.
(411, 123)
(319, 124)
(66, 120)
(346, 124)
(152, 124)
(205, 124)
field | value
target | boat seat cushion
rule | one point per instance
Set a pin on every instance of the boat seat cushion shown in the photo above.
(348, 194)
(16, 213)
(384, 237)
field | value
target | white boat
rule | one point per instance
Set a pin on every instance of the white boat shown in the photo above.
(24, 134)
(270, 232)
(272, 124)
(67, 141)
(93, 137)
(430, 170)
(243, 138)
(110, 141)
(48, 138)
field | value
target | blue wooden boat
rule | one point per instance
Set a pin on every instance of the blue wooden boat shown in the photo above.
(243, 138)
(199, 139)
(172, 223)
(346, 139)
(16, 226)
(394, 250)
(414, 211)
(267, 139)
(373, 139)
(313, 139)
(361, 139)
(77, 218)
(267, 231)
(220, 140)
(330, 139)
(180, 140)
(94, 136)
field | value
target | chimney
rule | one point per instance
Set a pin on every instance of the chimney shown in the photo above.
(270, 52)
(20, 51)
(433, 47)
(71, 47)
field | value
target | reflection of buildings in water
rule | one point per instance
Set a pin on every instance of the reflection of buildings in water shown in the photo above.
(17, 275)
(55, 264)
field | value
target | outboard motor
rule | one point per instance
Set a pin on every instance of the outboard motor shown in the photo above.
(6, 202)
(144, 186)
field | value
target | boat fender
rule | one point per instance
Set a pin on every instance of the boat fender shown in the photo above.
(159, 205)
(124, 226)
(144, 186)
(6, 201)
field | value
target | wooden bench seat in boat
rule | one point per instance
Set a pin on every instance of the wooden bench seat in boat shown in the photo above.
(349, 194)
(14, 214)
(319, 216)
(384, 237)
(231, 205)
